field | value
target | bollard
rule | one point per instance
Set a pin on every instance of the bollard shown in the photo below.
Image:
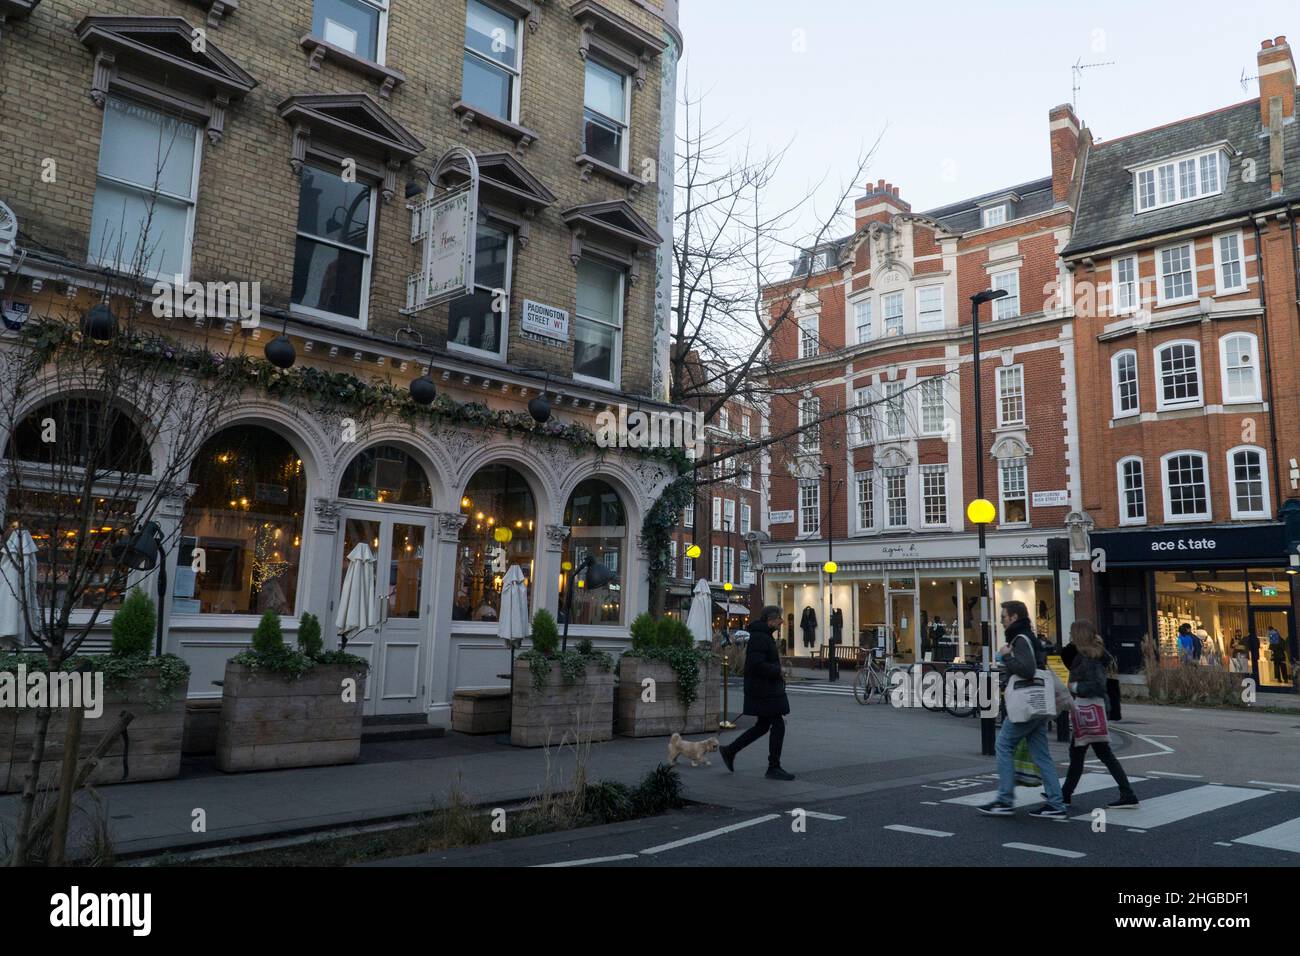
(988, 735)
(723, 722)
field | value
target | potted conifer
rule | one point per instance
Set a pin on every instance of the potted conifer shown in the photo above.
(560, 694)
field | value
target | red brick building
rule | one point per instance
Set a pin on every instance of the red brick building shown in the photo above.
(875, 375)
(1184, 263)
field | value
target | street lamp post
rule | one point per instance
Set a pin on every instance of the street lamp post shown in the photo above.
(832, 665)
(981, 515)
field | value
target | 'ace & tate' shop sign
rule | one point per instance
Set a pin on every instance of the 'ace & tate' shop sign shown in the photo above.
(1193, 546)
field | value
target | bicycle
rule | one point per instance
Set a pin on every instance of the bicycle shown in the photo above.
(873, 683)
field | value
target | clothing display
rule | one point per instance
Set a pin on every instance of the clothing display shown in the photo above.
(837, 626)
(809, 625)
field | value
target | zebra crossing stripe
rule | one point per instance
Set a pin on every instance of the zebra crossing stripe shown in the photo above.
(1173, 807)
(1284, 836)
(1030, 795)
(1049, 850)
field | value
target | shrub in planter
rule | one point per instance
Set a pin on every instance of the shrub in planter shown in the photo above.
(666, 684)
(286, 707)
(151, 689)
(558, 693)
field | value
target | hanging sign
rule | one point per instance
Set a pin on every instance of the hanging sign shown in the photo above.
(447, 224)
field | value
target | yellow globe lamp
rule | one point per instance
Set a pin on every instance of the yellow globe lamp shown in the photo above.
(693, 551)
(567, 565)
(503, 535)
(830, 567)
(727, 586)
(981, 511)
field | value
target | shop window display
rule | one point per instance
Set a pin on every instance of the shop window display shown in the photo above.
(597, 528)
(500, 529)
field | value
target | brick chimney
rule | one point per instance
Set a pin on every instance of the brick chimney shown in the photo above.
(1276, 80)
(1063, 126)
(879, 202)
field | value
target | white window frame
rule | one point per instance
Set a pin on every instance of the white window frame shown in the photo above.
(1118, 286)
(1124, 517)
(1004, 372)
(1266, 510)
(859, 327)
(890, 475)
(715, 553)
(1221, 285)
(929, 472)
(809, 335)
(1022, 465)
(517, 70)
(1161, 403)
(924, 324)
(362, 321)
(723, 418)
(810, 430)
(745, 477)
(895, 419)
(1255, 395)
(1161, 298)
(929, 400)
(887, 320)
(191, 201)
(1168, 173)
(688, 567)
(381, 31)
(717, 513)
(860, 418)
(993, 215)
(1007, 307)
(746, 517)
(616, 359)
(1170, 517)
(865, 479)
(744, 572)
(672, 557)
(813, 485)
(504, 337)
(1116, 396)
(688, 516)
(729, 515)
(744, 425)
(626, 125)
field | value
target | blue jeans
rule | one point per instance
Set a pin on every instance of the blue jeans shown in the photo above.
(1036, 733)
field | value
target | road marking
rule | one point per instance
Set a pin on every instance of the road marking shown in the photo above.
(1221, 843)
(594, 859)
(1087, 783)
(919, 831)
(1049, 850)
(814, 815)
(929, 803)
(1172, 807)
(711, 834)
(1180, 776)
(1265, 783)
(1284, 836)
(1135, 830)
(1164, 748)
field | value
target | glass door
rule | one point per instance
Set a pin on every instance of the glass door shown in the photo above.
(1273, 628)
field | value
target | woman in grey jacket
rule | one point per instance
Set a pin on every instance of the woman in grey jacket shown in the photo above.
(1088, 680)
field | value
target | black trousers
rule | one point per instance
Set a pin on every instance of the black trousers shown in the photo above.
(764, 724)
(1105, 755)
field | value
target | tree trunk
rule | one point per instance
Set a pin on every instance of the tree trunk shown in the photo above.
(19, 857)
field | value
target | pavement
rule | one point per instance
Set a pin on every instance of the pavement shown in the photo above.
(863, 760)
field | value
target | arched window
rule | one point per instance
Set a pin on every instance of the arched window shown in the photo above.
(388, 475)
(1132, 491)
(500, 530)
(81, 432)
(1249, 488)
(246, 516)
(597, 529)
(1239, 362)
(1124, 383)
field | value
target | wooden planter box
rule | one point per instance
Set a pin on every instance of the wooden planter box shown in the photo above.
(154, 738)
(561, 711)
(269, 722)
(666, 715)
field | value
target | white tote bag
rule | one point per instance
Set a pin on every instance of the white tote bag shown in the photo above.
(1030, 697)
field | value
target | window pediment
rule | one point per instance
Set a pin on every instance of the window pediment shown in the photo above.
(615, 38)
(892, 456)
(505, 184)
(15, 9)
(1009, 447)
(154, 57)
(350, 125)
(610, 227)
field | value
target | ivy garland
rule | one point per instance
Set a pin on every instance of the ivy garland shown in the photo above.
(662, 518)
(315, 389)
(573, 664)
(155, 680)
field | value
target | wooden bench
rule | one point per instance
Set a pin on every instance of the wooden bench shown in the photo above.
(846, 654)
(481, 710)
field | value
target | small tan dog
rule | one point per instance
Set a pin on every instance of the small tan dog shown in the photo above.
(693, 749)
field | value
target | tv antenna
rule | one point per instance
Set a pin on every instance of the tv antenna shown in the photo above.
(1245, 80)
(1077, 73)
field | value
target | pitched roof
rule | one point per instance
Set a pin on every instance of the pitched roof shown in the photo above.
(1107, 214)
(1027, 199)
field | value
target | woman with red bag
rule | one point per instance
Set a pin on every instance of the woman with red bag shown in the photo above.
(1088, 664)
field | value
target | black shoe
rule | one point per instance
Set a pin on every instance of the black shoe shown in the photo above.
(776, 773)
(998, 809)
(728, 758)
(1129, 802)
(1048, 813)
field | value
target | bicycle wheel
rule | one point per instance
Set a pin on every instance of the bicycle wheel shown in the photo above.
(934, 706)
(961, 703)
(862, 686)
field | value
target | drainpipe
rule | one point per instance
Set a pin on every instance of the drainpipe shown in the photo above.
(1268, 362)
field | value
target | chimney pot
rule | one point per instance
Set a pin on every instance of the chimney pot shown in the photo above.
(1279, 41)
(1266, 45)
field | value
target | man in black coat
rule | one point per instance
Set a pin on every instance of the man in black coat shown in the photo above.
(764, 695)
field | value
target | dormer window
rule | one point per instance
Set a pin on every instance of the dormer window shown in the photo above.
(1180, 180)
(994, 215)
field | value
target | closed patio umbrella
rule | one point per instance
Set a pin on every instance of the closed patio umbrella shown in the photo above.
(18, 586)
(513, 624)
(700, 618)
(357, 609)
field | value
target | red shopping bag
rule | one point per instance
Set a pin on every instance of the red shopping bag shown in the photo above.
(1088, 721)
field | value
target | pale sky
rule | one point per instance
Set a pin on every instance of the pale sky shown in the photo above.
(961, 90)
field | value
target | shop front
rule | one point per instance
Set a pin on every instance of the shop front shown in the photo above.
(918, 599)
(1230, 585)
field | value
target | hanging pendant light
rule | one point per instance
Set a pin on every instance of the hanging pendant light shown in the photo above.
(423, 391)
(99, 324)
(280, 351)
(539, 407)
